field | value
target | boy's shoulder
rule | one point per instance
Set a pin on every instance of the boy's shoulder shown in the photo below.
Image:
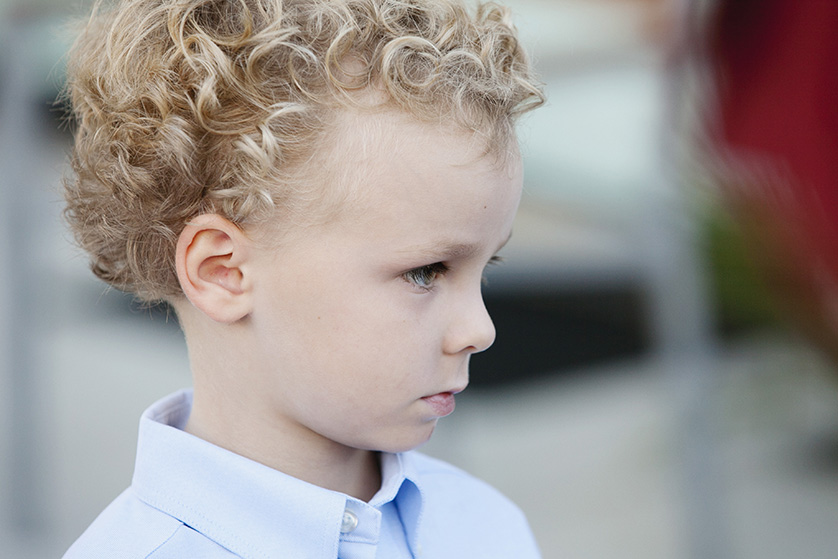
(460, 513)
(460, 509)
(131, 529)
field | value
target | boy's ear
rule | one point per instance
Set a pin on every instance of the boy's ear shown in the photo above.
(211, 260)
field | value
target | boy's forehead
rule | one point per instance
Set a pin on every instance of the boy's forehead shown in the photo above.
(401, 166)
(365, 153)
(372, 135)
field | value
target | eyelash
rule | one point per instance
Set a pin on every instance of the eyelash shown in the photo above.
(424, 277)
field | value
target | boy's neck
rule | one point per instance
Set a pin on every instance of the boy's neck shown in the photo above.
(318, 461)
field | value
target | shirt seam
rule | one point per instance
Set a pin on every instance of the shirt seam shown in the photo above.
(162, 501)
(164, 542)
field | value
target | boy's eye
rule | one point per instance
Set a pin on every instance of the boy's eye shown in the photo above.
(425, 276)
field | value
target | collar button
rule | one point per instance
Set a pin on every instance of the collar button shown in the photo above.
(349, 522)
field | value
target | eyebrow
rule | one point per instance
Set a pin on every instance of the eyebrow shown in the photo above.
(452, 250)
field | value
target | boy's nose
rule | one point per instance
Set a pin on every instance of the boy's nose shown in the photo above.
(471, 328)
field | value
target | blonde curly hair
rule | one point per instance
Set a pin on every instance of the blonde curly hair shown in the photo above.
(190, 106)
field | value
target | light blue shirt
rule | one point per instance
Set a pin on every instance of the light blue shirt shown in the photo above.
(190, 499)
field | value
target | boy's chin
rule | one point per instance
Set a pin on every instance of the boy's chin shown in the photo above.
(406, 443)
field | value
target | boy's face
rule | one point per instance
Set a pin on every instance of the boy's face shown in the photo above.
(364, 325)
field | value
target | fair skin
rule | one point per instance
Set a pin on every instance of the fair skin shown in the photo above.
(349, 337)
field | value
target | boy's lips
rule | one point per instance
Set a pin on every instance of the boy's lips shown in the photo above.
(442, 403)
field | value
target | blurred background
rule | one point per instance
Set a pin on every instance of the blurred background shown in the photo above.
(664, 382)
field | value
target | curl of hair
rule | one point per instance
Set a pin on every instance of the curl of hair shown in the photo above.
(190, 106)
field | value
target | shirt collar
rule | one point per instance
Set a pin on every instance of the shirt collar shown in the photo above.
(251, 509)
(400, 484)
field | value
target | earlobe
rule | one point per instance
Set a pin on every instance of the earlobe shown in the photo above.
(211, 260)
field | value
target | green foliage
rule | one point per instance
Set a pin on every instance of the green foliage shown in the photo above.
(742, 297)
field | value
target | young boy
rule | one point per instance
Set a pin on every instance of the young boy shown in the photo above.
(315, 187)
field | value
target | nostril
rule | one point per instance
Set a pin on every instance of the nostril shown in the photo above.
(471, 329)
(488, 337)
(483, 330)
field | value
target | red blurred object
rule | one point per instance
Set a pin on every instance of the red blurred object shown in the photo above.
(777, 70)
(776, 64)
